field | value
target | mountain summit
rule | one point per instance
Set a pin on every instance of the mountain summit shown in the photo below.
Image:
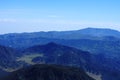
(59, 54)
(100, 32)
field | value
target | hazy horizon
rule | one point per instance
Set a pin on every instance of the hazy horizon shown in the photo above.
(17, 16)
(55, 30)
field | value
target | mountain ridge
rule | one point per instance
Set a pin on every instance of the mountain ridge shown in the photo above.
(48, 72)
(88, 28)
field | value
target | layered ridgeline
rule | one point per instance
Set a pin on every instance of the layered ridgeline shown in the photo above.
(87, 33)
(98, 52)
(94, 40)
(50, 53)
(53, 53)
(18, 40)
(48, 72)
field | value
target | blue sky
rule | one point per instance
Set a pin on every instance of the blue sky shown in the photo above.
(47, 15)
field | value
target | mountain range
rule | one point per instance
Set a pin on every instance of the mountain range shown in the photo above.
(94, 40)
(92, 49)
(53, 53)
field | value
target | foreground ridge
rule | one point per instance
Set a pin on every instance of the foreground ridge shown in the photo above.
(48, 72)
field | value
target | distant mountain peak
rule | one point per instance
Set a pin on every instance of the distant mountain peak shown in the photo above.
(108, 29)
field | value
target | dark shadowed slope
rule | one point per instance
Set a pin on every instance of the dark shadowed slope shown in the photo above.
(7, 58)
(3, 73)
(48, 72)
